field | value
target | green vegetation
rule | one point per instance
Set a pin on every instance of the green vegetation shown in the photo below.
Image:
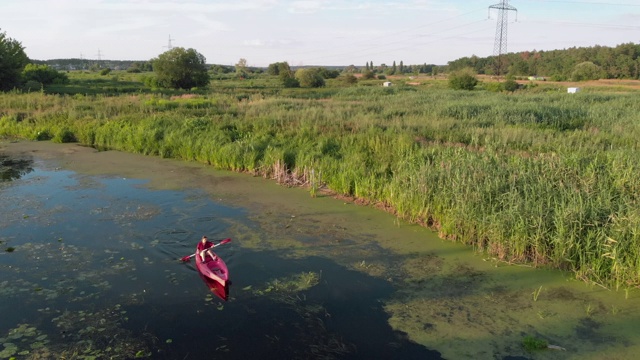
(43, 75)
(578, 63)
(531, 343)
(537, 176)
(12, 60)
(464, 79)
(180, 69)
(309, 78)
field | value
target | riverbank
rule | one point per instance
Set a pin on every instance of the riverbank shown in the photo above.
(538, 179)
(445, 297)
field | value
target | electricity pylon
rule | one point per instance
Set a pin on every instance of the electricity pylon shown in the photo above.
(500, 44)
(169, 46)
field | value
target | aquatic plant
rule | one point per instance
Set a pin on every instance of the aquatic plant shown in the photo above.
(536, 293)
(531, 343)
(289, 285)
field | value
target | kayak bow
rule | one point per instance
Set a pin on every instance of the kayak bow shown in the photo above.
(213, 269)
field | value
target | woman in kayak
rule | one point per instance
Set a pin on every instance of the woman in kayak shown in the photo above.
(204, 248)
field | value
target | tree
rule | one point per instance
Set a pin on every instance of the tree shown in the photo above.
(138, 66)
(273, 69)
(309, 78)
(464, 79)
(181, 69)
(328, 74)
(510, 85)
(348, 79)
(278, 67)
(283, 70)
(220, 69)
(586, 71)
(241, 69)
(368, 75)
(43, 74)
(12, 60)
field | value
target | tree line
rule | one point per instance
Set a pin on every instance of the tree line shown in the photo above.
(181, 68)
(576, 63)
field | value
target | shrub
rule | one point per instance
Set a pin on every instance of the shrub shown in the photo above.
(493, 86)
(587, 71)
(64, 136)
(368, 75)
(43, 74)
(32, 85)
(309, 78)
(464, 79)
(290, 82)
(510, 85)
(348, 79)
(42, 135)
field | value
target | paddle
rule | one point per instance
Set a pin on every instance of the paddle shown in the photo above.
(188, 257)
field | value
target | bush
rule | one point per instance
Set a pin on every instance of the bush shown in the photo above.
(587, 71)
(290, 82)
(43, 74)
(42, 135)
(64, 136)
(493, 86)
(464, 79)
(32, 85)
(348, 79)
(309, 78)
(181, 68)
(368, 75)
(510, 85)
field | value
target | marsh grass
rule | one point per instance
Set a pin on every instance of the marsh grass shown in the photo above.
(544, 178)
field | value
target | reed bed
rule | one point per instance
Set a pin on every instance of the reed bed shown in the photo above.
(548, 179)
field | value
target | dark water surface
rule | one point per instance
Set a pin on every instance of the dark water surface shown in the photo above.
(89, 269)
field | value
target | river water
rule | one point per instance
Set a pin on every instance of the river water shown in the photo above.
(90, 269)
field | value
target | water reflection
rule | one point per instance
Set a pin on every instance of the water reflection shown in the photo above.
(14, 168)
(96, 271)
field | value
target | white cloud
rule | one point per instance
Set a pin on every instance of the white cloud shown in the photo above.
(331, 32)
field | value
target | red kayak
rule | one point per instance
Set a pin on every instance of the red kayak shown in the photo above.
(216, 288)
(213, 269)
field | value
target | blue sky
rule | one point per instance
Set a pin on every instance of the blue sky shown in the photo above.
(310, 32)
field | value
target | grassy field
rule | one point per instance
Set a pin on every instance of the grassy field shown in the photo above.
(538, 176)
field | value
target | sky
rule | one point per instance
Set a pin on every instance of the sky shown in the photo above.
(311, 32)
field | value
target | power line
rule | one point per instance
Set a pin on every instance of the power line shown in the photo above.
(169, 46)
(599, 26)
(500, 44)
(585, 2)
(377, 49)
(377, 45)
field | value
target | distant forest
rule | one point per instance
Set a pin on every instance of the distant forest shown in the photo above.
(576, 63)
